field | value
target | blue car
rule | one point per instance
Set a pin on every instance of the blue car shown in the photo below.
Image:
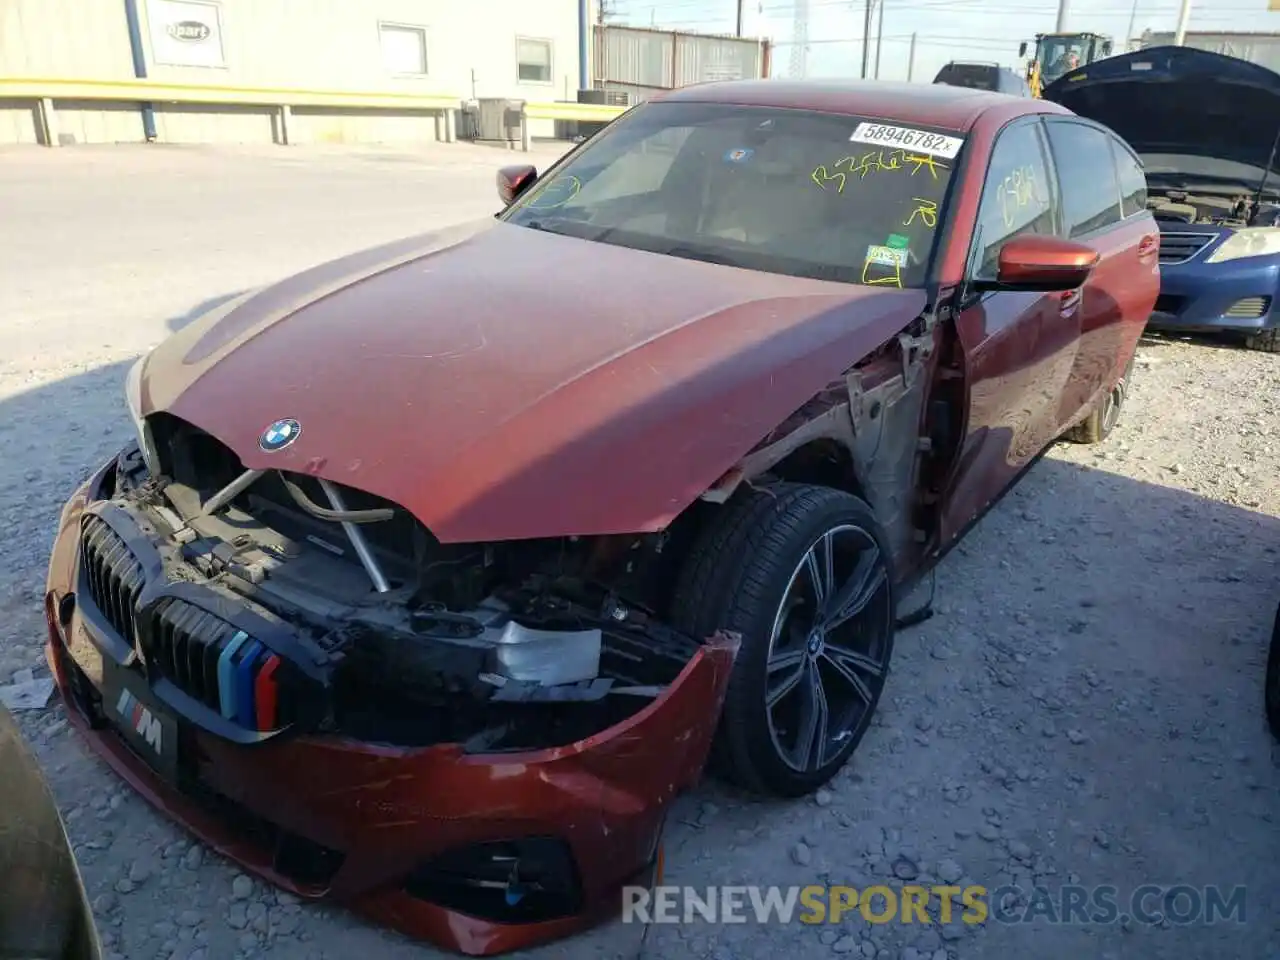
(1207, 129)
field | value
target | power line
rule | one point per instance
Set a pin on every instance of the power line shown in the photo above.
(800, 30)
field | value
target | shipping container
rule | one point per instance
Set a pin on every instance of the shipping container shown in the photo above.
(642, 62)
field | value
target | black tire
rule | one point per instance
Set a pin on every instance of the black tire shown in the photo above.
(1101, 423)
(1268, 341)
(1273, 680)
(743, 566)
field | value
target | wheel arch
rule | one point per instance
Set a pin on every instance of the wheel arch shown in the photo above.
(862, 435)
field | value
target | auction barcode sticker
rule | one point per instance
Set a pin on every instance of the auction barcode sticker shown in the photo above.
(934, 144)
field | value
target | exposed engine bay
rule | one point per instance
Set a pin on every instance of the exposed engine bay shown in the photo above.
(404, 640)
(1235, 210)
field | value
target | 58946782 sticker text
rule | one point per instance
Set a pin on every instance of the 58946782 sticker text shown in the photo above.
(919, 141)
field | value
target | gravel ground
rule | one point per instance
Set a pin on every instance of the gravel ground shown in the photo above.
(1085, 708)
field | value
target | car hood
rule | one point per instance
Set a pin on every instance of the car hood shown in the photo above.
(1179, 100)
(501, 382)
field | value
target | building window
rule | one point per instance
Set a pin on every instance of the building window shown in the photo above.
(533, 61)
(404, 49)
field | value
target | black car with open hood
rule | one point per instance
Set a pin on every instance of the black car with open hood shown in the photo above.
(1181, 102)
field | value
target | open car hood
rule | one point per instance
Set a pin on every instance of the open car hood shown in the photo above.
(1179, 100)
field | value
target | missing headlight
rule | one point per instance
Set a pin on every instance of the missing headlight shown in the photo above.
(133, 397)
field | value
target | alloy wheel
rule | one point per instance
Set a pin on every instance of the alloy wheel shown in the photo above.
(1111, 410)
(829, 649)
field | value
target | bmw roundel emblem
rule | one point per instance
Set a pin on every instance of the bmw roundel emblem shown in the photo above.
(279, 435)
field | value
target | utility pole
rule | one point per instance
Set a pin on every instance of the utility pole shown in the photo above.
(879, 37)
(1184, 16)
(1062, 17)
(911, 58)
(866, 35)
(800, 40)
(1133, 18)
(738, 32)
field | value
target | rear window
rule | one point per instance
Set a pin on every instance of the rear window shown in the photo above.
(783, 191)
(1133, 181)
(973, 75)
(1087, 174)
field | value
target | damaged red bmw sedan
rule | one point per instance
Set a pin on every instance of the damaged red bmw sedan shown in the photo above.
(436, 572)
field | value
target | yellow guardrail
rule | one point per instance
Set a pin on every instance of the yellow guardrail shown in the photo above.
(149, 91)
(572, 111)
(47, 91)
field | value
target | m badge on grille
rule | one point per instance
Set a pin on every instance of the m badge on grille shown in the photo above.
(143, 722)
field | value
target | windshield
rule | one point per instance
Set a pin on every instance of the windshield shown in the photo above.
(976, 76)
(782, 191)
(1058, 55)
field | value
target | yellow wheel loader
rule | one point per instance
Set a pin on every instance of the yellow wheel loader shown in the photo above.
(1058, 53)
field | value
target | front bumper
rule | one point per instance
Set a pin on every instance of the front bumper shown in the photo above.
(1198, 297)
(374, 826)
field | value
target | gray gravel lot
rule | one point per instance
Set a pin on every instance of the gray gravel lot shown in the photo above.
(1084, 709)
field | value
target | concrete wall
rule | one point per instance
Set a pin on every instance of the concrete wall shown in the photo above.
(471, 50)
(66, 38)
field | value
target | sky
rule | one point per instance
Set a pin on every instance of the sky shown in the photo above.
(988, 30)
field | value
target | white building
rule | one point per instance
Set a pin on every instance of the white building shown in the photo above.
(462, 49)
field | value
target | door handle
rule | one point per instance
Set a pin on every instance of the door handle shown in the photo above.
(1148, 245)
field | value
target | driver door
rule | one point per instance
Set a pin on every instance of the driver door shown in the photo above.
(1017, 345)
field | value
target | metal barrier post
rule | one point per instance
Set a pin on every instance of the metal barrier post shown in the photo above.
(286, 114)
(140, 66)
(48, 122)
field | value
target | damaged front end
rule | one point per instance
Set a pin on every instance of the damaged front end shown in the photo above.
(313, 657)
(333, 611)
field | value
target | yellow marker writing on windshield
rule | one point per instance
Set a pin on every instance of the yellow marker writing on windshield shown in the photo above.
(873, 162)
(862, 166)
(892, 280)
(556, 193)
(821, 177)
(925, 162)
(883, 256)
(926, 210)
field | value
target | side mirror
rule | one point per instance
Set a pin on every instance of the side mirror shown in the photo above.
(1037, 262)
(513, 181)
(1022, 49)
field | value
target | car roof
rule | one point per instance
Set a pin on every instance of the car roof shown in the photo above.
(928, 104)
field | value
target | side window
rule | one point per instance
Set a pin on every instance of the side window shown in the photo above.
(1133, 181)
(1018, 196)
(1090, 192)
